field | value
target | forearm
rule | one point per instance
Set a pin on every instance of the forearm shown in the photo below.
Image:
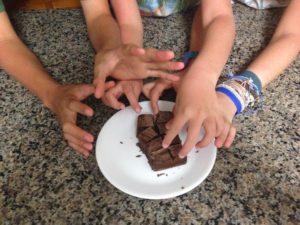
(217, 41)
(132, 34)
(129, 20)
(275, 58)
(283, 48)
(22, 65)
(104, 33)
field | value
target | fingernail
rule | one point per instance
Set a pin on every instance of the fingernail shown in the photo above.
(181, 156)
(88, 146)
(89, 112)
(138, 110)
(88, 138)
(165, 145)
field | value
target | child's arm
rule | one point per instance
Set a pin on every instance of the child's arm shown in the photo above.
(21, 63)
(131, 29)
(280, 52)
(64, 101)
(124, 61)
(196, 103)
(283, 48)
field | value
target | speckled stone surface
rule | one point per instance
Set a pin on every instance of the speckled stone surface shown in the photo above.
(44, 182)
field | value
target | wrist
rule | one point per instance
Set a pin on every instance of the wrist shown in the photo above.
(49, 95)
(227, 103)
(202, 73)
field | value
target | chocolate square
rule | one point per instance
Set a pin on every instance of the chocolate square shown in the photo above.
(144, 121)
(147, 135)
(161, 127)
(150, 141)
(163, 116)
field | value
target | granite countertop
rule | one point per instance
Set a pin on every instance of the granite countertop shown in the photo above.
(43, 181)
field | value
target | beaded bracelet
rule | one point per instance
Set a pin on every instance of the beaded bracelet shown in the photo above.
(243, 90)
(187, 56)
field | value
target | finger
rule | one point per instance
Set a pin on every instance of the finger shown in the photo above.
(177, 124)
(81, 108)
(110, 84)
(78, 133)
(147, 88)
(210, 133)
(132, 98)
(136, 51)
(83, 144)
(156, 92)
(169, 123)
(99, 83)
(163, 75)
(111, 99)
(191, 139)
(230, 137)
(220, 139)
(162, 55)
(220, 126)
(167, 66)
(79, 149)
(83, 91)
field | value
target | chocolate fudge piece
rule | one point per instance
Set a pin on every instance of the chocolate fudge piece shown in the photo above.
(145, 121)
(147, 135)
(150, 133)
(163, 116)
(162, 128)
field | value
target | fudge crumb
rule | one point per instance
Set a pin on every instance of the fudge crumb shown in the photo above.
(121, 142)
(197, 151)
(138, 156)
(160, 174)
(182, 187)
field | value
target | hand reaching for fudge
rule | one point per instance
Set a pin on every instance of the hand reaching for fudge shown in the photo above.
(204, 110)
(154, 90)
(66, 104)
(132, 90)
(129, 62)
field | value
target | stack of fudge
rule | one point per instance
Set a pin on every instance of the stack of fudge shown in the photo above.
(150, 133)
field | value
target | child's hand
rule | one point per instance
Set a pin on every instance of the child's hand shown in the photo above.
(132, 90)
(196, 105)
(154, 90)
(129, 62)
(228, 110)
(66, 103)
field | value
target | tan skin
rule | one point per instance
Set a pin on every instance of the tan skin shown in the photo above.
(63, 100)
(119, 51)
(268, 65)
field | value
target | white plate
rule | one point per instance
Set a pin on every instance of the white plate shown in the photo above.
(126, 167)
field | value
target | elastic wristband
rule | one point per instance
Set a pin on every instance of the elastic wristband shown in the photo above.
(187, 56)
(233, 98)
(253, 77)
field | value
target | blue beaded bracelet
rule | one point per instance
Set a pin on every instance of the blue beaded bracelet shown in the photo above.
(187, 56)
